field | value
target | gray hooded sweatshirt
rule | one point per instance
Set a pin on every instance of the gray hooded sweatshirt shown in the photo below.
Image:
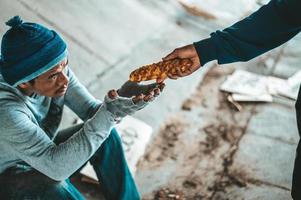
(29, 126)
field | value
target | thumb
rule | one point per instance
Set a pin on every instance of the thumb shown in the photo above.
(172, 55)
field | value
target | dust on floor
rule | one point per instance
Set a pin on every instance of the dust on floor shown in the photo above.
(190, 156)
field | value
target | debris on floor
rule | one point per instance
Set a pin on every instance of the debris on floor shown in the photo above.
(167, 194)
(194, 10)
(193, 150)
(245, 86)
(218, 9)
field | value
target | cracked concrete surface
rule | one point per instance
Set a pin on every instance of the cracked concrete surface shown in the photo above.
(201, 154)
(215, 152)
(225, 154)
(202, 148)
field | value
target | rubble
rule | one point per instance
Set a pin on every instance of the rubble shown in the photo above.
(167, 194)
(245, 86)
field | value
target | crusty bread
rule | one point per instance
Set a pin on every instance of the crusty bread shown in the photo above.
(160, 69)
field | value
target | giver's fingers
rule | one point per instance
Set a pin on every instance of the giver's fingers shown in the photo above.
(112, 94)
(179, 73)
(160, 80)
(187, 51)
(175, 74)
(196, 62)
(172, 55)
(172, 76)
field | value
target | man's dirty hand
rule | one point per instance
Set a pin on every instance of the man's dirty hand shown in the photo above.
(132, 89)
(130, 98)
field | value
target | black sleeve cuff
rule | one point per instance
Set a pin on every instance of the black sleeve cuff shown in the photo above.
(205, 50)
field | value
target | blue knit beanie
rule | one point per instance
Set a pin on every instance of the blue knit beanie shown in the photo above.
(29, 50)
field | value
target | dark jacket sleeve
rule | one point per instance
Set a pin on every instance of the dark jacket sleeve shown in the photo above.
(269, 27)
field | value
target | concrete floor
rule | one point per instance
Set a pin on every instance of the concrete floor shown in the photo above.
(202, 148)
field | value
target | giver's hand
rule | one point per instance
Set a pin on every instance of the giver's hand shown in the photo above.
(184, 52)
(130, 98)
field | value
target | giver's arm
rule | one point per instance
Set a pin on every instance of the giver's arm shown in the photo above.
(267, 28)
(30, 143)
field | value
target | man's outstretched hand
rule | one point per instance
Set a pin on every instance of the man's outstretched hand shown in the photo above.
(130, 98)
(183, 52)
(147, 92)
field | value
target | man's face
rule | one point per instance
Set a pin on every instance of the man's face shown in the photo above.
(52, 83)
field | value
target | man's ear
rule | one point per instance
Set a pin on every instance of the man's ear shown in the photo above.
(26, 88)
(24, 85)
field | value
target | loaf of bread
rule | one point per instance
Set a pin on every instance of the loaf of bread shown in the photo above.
(160, 69)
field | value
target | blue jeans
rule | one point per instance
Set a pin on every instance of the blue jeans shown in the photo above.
(23, 182)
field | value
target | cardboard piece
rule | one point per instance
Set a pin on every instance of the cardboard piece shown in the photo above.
(247, 86)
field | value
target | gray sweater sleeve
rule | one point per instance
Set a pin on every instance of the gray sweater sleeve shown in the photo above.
(30, 143)
(79, 100)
